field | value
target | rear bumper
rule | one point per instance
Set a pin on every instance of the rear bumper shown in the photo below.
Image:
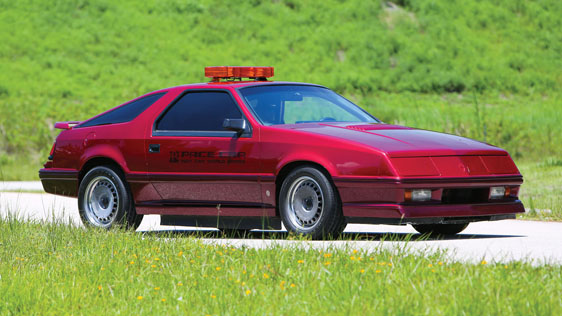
(59, 181)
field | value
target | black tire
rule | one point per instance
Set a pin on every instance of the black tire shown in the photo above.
(440, 229)
(310, 205)
(105, 201)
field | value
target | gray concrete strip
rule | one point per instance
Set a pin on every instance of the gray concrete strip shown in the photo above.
(502, 241)
(49, 207)
(21, 186)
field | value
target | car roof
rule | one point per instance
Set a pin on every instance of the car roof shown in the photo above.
(236, 84)
(225, 85)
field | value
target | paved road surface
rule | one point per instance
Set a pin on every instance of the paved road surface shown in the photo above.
(502, 241)
(21, 186)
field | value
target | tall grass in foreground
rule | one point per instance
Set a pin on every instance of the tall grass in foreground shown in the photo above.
(57, 269)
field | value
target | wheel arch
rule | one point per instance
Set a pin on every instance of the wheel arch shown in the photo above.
(95, 162)
(286, 170)
(101, 154)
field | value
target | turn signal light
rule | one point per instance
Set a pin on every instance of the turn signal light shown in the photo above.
(232, 72)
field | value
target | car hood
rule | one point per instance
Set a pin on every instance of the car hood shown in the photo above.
(401, 141)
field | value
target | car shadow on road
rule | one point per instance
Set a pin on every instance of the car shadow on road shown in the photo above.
(346, 236)
(420, 237)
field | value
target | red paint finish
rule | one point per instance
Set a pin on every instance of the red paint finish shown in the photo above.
(415, 166)
(371, 165)
(207, 211)
(421, 211)
(203, 156)
(66, 125)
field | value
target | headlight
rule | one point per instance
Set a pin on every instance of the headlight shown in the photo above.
(497, 193)
(417, 195)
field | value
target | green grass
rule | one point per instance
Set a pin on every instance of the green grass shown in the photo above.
(20, 167)
(542, 191)
(53, 269)
(71, 59)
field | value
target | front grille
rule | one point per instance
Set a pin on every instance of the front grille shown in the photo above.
(465, 195)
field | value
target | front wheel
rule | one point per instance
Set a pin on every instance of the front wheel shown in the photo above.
(440, 229)
(104, 200)
(309, 204)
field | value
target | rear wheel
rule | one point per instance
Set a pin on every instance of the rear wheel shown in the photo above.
(440, 229)
(104, 200)
(309, 204)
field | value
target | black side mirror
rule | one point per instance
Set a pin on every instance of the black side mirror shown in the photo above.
(237, 125)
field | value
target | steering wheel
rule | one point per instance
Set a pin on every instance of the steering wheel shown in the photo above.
(328, 119)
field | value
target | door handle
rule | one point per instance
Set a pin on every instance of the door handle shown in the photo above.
(154, 148)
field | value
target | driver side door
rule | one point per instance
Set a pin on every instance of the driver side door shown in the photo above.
(196, 165)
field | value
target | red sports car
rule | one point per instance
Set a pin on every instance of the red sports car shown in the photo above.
(244, 154)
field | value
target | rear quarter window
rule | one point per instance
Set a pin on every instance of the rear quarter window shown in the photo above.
(125, 113)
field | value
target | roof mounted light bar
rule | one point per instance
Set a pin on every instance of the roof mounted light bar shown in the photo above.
(237, 72)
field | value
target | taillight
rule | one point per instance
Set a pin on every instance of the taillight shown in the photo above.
(52, 151)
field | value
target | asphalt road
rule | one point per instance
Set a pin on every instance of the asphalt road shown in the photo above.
(501, 241)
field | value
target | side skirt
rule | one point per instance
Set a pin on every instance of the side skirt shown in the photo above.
(229, 222)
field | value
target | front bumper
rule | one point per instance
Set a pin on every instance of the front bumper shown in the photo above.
(379, 200)
(430, 214)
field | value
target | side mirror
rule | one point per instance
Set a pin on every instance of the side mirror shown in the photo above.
(237, 125)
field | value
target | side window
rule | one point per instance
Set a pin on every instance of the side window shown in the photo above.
(199, 111)
(126, 112)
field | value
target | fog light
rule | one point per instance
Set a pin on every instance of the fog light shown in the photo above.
(418, 195)
(497, 193)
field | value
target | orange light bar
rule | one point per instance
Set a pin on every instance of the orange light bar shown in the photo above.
(238, 72)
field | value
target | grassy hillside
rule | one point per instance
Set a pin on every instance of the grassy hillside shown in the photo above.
(484, 69)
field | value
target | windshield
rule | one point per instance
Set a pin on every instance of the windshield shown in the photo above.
(294, 104)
